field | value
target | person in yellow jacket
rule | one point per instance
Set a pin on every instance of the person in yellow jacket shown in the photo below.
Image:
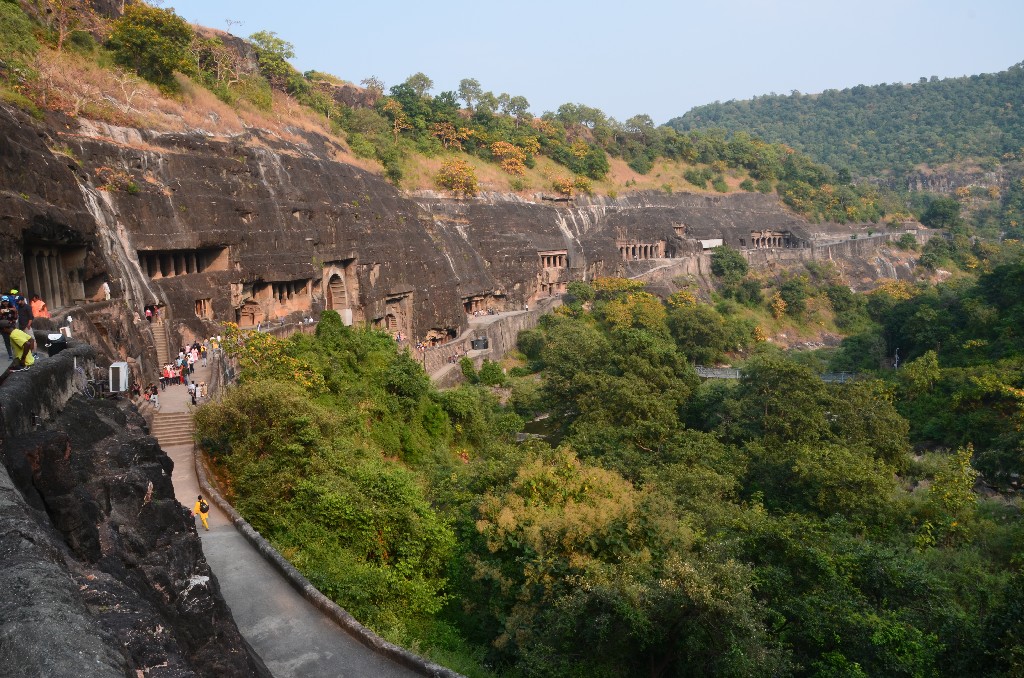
(202, 509)
(22, 345)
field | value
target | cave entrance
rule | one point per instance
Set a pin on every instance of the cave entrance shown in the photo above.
(249, 314)
(54, 273)
(337, 294)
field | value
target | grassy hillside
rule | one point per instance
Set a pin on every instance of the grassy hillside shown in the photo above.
(887, 127)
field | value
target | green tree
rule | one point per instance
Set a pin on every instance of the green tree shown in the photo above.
(273, 53)
(517, 107)
(920, 375)
(152, 41)
(780, 399)
(470, 91)
(491, 373)
(728, 263)
(951, 502)
(795, 291)
(699, 332)
(942, 212)
(420, 84)
(580, 291)
(577, 590)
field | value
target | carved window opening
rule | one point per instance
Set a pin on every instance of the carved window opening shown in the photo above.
(554, 259)
(249, 314)
(640, 251)
(396, 316)
(768, 239)
(204, 309)
(279, 298)
(436, 336)
(157, 264)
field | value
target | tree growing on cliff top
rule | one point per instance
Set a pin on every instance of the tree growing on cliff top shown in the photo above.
(470, 91)
(420, 83)
(273, 53)
(63, 17)
(458, 176)
(155, 42)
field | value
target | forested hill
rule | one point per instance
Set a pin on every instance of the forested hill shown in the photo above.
(871, 130)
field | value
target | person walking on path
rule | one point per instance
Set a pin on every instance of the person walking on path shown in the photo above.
(202, 509)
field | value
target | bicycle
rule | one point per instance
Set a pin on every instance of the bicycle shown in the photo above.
(90, 388)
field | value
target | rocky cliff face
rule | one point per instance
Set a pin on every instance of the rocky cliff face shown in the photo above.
(101, 570)
(254, 229)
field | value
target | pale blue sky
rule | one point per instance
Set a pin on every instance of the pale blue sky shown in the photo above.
(645, 56)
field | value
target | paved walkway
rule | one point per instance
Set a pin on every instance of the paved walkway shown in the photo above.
(291, 636)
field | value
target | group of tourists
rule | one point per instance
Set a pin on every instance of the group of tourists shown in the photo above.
(16, 315)
(457, 356)
(490, 311)
(179, 371)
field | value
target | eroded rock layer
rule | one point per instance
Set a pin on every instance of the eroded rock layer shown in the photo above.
(256, 229)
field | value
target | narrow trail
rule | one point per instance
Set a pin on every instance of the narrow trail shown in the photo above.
(293, 638)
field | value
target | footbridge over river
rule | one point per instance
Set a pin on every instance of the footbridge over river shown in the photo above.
(734, 373)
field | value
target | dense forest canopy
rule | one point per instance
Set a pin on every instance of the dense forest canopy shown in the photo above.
(871, 130)
(775, 525)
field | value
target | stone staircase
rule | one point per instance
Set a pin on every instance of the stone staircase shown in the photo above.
(173, 428)
(160, 342)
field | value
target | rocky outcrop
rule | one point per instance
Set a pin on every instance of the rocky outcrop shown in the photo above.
(258, 229)
(101, 570)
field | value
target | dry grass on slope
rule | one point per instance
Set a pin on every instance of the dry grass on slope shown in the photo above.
(87, 88)
(419, 172)
(84, 88)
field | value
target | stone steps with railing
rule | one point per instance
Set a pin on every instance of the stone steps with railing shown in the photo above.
(173, 428)
(160, 342)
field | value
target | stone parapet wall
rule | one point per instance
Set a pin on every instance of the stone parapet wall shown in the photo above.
(501, 333)
(101, 569)
(37, 394)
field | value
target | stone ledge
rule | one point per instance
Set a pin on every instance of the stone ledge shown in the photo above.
(38, 393)
(327, 606)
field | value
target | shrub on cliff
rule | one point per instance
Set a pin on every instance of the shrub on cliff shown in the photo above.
(154, 42)
(459, 176)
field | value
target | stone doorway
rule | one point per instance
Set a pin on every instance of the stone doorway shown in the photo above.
(249, 314)
(337, 294)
